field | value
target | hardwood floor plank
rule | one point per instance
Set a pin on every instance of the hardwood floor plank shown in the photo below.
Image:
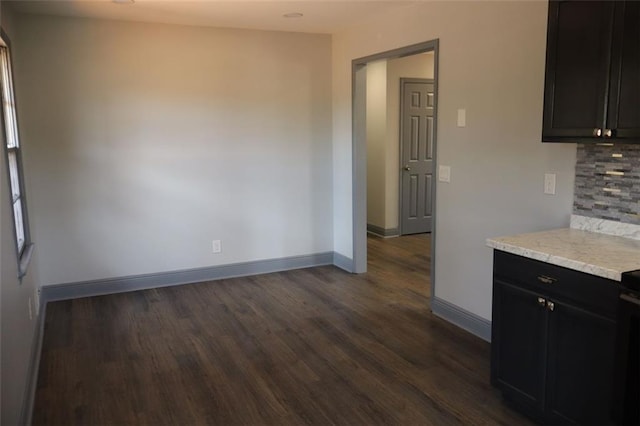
(310, 346)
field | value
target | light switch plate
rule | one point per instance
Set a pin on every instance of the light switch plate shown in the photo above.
(444, 174)
(462, 117)
(550, 183)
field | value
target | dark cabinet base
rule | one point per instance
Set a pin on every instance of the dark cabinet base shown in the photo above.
(553, 341)
(580, 365)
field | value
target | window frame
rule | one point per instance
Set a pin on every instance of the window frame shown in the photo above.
(23, 252)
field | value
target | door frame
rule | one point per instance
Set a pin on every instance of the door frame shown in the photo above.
(404, 80)
(359, 156)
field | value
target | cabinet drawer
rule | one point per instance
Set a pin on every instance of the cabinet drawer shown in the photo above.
(596, 294)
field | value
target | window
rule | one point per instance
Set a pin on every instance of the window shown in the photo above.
(14, 159)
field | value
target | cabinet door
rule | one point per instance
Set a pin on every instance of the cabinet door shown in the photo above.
(580, 366)
(624, 101)
(577, 69)
(518, 345)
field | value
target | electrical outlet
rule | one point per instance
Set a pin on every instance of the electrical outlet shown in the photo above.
(444, 173)
(462, 118)
(30, 310)
(550, 183)
(216, 246)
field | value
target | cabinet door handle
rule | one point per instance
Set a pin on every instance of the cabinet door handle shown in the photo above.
(597, 132)
(541, 302)
(608, 133)
(551, 306)
(630, 299)
(545, 279)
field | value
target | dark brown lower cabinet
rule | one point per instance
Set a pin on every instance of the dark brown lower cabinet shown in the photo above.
(553, 340)
(518, 363)
(580, 365)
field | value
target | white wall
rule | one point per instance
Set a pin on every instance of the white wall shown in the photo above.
(148, 141)
(17, 330)
(376, 99)
(491, 63)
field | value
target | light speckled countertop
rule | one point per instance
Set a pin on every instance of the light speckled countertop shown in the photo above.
(591, 252)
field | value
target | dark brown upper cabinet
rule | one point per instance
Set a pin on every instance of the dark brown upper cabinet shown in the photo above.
(592, 80)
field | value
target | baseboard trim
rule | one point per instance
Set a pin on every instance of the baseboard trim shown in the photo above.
(34, 368)
(342, 262)
(383, 232)
(77, 290)
(464, 319)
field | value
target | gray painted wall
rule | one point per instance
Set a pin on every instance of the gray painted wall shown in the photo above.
(608, 182)
(17, 330)
(491, 63)
(148, 141)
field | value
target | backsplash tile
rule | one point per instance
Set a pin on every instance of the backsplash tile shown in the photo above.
(607, 184)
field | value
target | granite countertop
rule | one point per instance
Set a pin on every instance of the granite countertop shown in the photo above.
(606, 256)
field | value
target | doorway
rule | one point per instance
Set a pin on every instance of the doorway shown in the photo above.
(360, 153)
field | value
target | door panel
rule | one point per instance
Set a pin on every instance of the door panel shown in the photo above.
(581, 360)
(413, 196)
(417, 142)
(624, 112)
(428, 200)
(415, 138)
(519, 331)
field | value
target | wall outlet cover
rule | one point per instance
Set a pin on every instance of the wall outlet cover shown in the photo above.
(550, 183)
(444, 174)
(462, 117)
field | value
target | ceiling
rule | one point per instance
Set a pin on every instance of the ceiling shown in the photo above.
(320, 16)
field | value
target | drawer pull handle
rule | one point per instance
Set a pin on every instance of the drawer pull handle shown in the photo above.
(546, 280)
(630, 299)
(541, 302)
(551, 306)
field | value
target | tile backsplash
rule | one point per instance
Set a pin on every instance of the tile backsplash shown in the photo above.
(607, 184)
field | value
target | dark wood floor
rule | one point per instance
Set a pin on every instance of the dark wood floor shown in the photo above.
(312, 346)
